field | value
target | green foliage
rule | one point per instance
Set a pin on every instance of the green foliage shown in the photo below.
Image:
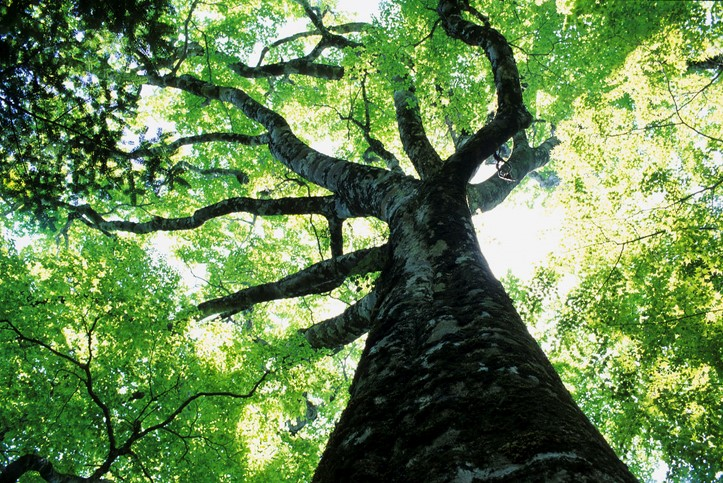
(629, 308)
(635, 333)
(62, 108)
(99, 325)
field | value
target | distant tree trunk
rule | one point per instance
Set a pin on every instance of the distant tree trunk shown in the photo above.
(451, 386)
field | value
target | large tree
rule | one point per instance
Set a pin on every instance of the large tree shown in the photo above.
(183, 117)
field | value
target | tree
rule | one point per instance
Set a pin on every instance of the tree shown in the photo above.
(450, 384)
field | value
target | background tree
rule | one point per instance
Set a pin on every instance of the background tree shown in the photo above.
(147, 118)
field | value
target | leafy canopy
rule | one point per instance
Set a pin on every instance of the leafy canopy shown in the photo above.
(100, 334)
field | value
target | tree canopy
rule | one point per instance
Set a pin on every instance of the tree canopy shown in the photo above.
(190, 248)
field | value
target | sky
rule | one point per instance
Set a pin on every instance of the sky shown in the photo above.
(364, 9)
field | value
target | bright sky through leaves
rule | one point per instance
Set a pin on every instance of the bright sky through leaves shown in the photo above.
(613, 237)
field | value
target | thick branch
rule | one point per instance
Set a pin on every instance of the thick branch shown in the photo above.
(295, 66)
(324, 205)
(364, 188)
(511, 116)
(33, 462)
(344, 328)
(411, 130)
(711, 63)
(318, 278)
(336, 236)
(314, 15)
(523, 160)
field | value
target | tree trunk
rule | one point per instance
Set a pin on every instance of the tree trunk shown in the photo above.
(451, 386)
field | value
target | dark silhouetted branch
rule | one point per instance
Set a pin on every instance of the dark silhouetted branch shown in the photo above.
(324, 205)
(34, 463)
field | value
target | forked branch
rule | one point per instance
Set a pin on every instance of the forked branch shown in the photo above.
(31, 462)
(511, 115)
(304, 65)
(524, 159)
(363, 188)
(375, 145)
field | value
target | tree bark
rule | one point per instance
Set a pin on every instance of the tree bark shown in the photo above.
(451, 386)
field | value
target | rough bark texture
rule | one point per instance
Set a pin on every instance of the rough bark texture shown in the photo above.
(523, 161)
(451, 386)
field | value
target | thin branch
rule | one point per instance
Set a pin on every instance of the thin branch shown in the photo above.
(87, 381)
(305, 65)
(32, 462)
(227, 137)
(318, 278)
(196, 396)
(690, 316)
(342, 29)
(679, 108)
(44, 345)
(663, 122)
(240, 176)
(324, 205)
(429, 35)
(184, 50)
(375, 145)
(682, 200)
(140, 464)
